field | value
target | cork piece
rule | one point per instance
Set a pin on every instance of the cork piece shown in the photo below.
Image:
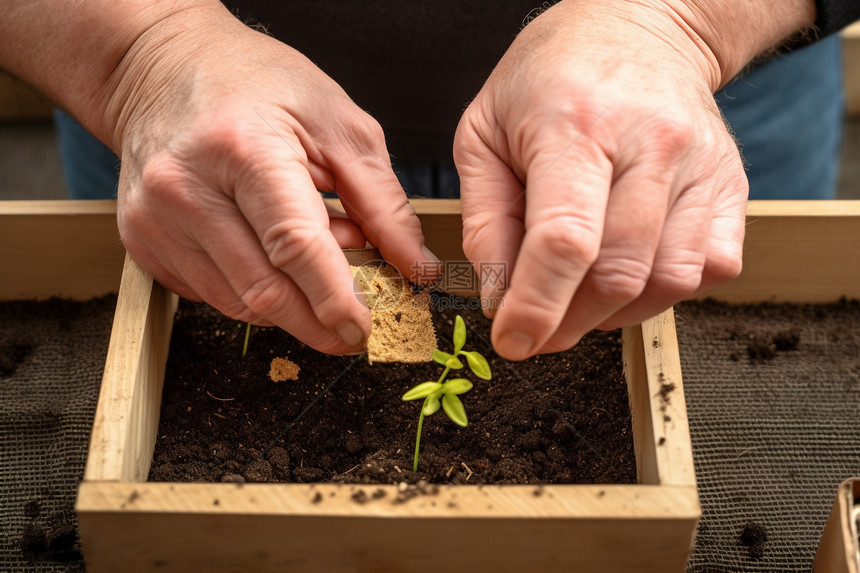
(402, 329)
(283, 369)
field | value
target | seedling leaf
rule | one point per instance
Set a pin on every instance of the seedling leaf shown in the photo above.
(448, 360)
(441, 357)
(457, 386)
(431, 406)
(421, 391)
(459, 333)
(455, 410)
(479, 365)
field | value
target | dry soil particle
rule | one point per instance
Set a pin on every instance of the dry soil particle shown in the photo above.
(283, 369)
(12, 353)
(753, 537)
(560, 418)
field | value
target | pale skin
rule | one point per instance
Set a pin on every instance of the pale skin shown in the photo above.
(593, 162)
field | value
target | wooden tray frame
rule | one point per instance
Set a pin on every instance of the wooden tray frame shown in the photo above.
(130, 525)
(795, 251)
(839, 550)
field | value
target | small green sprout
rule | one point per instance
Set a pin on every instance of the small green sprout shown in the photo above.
(247, 337)
(444, 393)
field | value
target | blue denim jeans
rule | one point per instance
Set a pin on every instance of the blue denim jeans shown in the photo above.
(787, 116)
(91, 169)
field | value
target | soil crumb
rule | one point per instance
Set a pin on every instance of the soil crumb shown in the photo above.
(12, 354)
(283, 369)
(753, 537)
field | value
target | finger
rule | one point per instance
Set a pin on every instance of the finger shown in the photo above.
(347, 234)
(680, 268)
(679, 263)
(243, 266)
(568, 188)
(142, 239)
(373, 198)
(219, 267)
(724, 256)
(493, 208)
(216, 252)
(176, 272)
(276, 195)
(627, 251)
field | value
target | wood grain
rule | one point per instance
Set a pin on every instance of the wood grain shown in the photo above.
(798, 251)
(69, 249)
(839, 550)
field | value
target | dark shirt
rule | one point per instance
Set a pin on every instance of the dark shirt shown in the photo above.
(414, 65)
(833, 15)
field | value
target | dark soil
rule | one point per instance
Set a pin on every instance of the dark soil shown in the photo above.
(12, 354)
(753, 537)
(54, 537)
(561, 418)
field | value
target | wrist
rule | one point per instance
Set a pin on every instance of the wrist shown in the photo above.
(153, 68)
(731, 33)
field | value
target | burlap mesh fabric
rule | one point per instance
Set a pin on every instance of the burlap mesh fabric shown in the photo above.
(772, 436)
(46, 411)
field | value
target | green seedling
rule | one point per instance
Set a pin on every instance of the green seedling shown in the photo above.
(247, 337)
(445, 393)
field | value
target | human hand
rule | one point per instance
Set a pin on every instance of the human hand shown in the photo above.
(226, 135)
(595, 164)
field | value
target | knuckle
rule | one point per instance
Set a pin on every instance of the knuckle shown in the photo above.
(288, 245)
(262, 298)
(568, 239)
(226, 134)
(670, 138)
(723, 266)
(167, 195)
(676, 281)
(620, 280)
(404, 217)
(366, 133)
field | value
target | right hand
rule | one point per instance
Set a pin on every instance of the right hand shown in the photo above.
(596, 169)
(225, 136)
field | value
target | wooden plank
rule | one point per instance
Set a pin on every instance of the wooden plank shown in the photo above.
(661, 433)
(450, 501)
(126, 420)
(839, 547)
(671, 429)
(180, 527)
(635, 372)
(798, 251)
(69, 249)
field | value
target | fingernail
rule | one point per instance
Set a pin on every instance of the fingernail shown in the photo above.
(491, 302)
(350, 333)
(429, 254)
(516, 345)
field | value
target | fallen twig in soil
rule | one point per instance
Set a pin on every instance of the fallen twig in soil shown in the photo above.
(467, 469)
(352, 469)
(217, 398)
